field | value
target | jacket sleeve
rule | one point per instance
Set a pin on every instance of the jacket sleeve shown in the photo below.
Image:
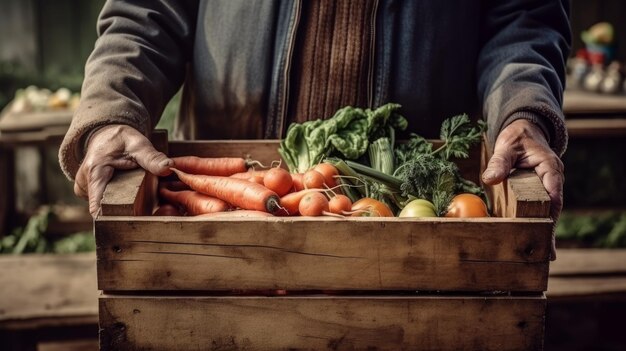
(521, 66)
(137, 65)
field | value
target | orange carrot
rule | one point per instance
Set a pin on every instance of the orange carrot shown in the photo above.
(329, 172)
(340, 204)
(249, 173)
(297, 181)
(291, 201)
(313, 180)
(313, 204)
(256, 179)
(239, 192)
(220, 166)
(195, 203)
(278, 180)
(237, 213)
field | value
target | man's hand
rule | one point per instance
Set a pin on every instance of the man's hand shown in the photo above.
(115, 147)
(522, 144)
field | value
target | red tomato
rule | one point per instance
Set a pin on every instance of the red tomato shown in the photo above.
(368, 207)
(466, 206)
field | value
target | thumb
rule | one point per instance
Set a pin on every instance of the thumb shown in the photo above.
(499, 165)
(150, 159)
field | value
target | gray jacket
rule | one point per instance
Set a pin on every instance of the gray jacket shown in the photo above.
(501, 59)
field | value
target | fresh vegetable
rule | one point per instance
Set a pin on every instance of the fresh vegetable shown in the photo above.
(313, 179)
(368, 207)
(347, 134)
(256, 179)
(278, 180)
(340, 204)
(194, 202)
(420, 171)
(238, 192)
(237, 214)
(329, 172)
(250, 173)
(290, 202)
(467, 205)
(457, 133)
(418, 208)
(313, 204)
(222, 166)
(298, 182)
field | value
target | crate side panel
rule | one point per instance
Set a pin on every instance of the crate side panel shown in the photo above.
(322, 323)
(274, 253)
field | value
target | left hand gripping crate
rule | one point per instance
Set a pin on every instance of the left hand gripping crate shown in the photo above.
(184, 283)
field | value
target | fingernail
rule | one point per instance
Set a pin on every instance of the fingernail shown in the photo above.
(166, 163)
(489, 174)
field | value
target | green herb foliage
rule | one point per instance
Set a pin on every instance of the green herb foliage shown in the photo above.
(347, 134)
(32, 238)
(606, 229)
(430, 174)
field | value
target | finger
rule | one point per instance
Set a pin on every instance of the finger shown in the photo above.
(150, 159)
(81, 181)
(80, 192)
(499, 166)
(99, 177)
(552, 179)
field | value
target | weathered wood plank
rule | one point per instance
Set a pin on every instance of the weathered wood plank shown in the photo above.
(562, 287)
(59, 289)
(527, 196)
(321, 323)
(586, 262)
(521, 195)
(161, 253)
(597, 127)
(128, 192)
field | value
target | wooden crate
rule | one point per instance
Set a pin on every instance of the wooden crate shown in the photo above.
(174, 283)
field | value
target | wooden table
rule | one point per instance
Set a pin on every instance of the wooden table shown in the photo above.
(42, 129)
(47, 298)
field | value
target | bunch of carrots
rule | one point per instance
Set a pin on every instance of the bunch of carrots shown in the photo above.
(224, 187)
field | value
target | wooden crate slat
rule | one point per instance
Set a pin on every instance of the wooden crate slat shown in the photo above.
(321, 323)
(527, 196)
(133, 192)
(521, 195)
(130, 193)
(310, 253)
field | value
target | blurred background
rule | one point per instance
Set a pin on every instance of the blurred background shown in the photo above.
(46, 233)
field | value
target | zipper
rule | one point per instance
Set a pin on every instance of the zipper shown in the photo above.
(370, 74)
(282, 116)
